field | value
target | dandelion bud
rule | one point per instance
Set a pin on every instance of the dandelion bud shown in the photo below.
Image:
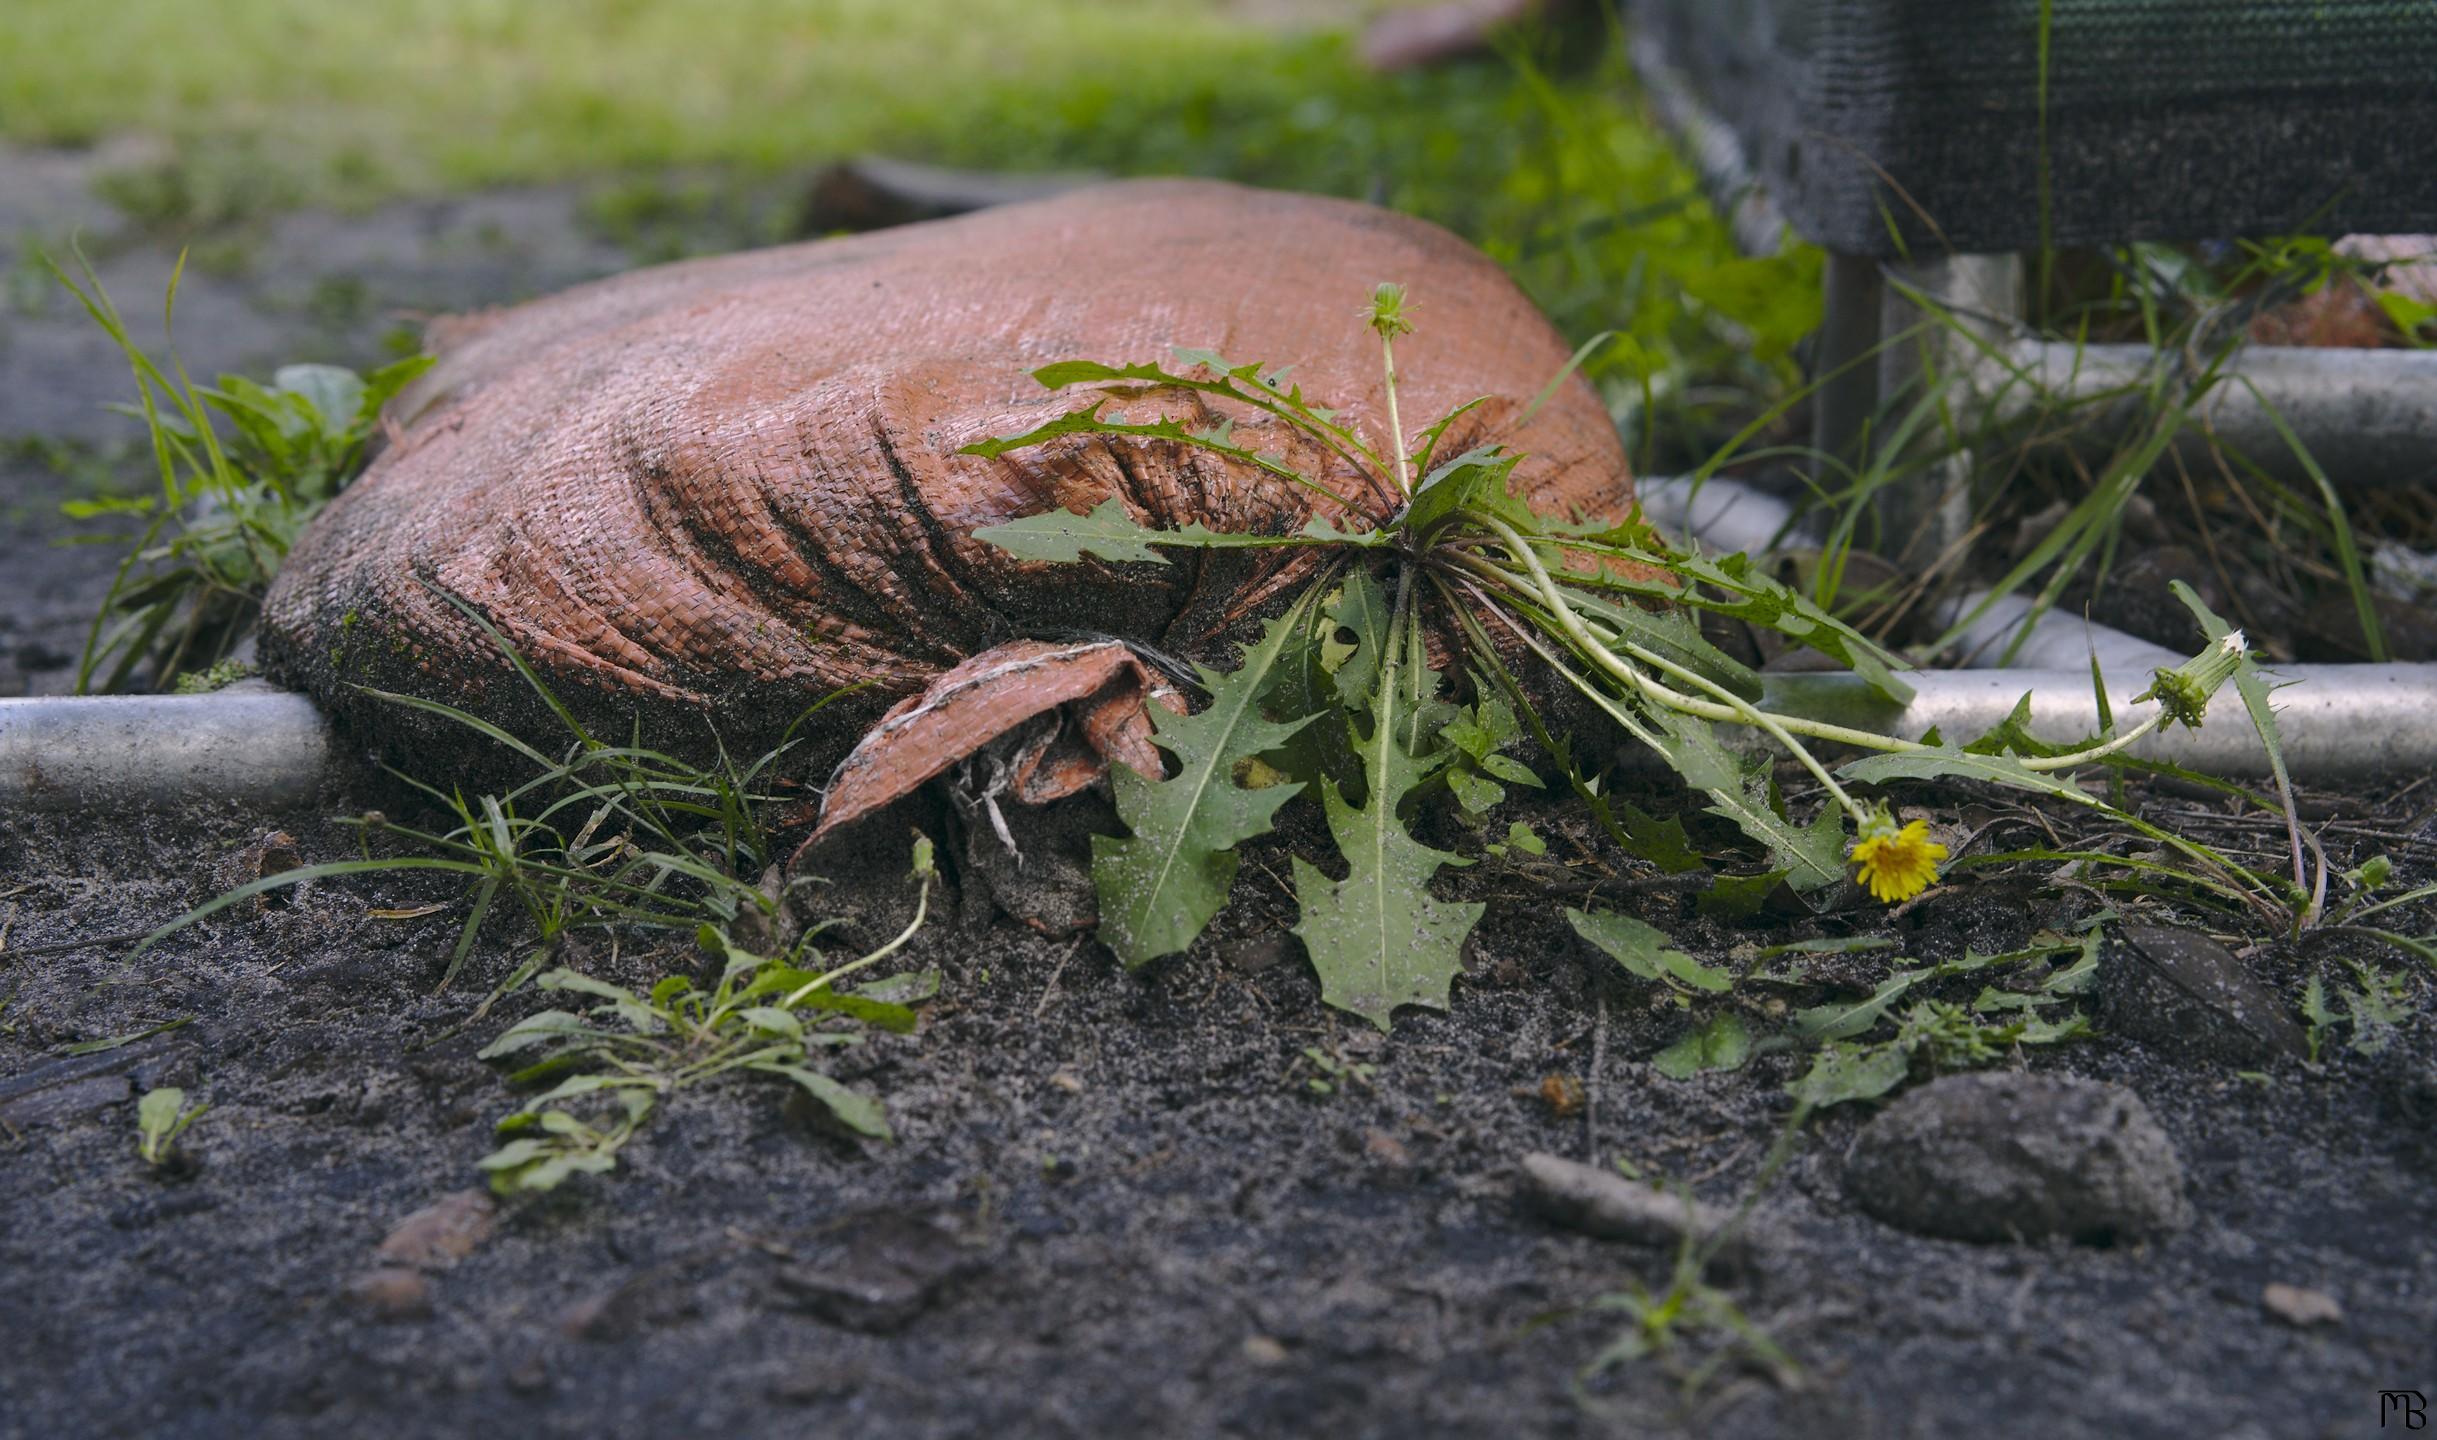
(1386, 313)
(2183, 692)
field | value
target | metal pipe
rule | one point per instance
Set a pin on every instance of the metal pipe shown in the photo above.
(2368, 417)
(269, 748)
(1725, 515)
(249, 743)
(1728, 515)
(2057, 640)
(2335, 722)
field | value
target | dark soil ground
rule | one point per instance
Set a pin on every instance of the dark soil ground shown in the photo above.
(1115, 1205)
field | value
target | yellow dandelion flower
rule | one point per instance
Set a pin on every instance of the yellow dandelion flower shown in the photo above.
(1897, 864)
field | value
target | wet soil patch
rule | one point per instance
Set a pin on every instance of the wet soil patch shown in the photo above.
(1116, 1204)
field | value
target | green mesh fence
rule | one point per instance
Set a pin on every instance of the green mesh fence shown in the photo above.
(1883, 127)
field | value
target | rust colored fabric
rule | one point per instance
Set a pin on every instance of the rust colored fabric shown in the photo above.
(1094, 692)
(723, 489)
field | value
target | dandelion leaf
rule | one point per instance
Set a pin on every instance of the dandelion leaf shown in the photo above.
(1377, 938)
(1160, 884)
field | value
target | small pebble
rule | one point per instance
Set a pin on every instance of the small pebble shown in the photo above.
(442, 1233)
(392, 1292)
(2301, 1308)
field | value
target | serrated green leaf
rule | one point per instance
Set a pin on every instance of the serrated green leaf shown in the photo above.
(1811, 855)
(1737, 898)
(1852, 1072)
(1646, 951)
(1362, 610)
(1243, 383)
(1109, 532)
(1731, 585)
(1671, 633)
(1645, 837)
(1305, 688)
(2082, 976)
(1159, 885)
(1062, 537)
(1423, 452)
(2315, 1010)
(1845, 1019)
(1946, 762)
(2012, 735)
(1474, 482)
(1377, 938)
(1722, 1044)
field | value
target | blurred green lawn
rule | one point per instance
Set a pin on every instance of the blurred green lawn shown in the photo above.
(1549, 165)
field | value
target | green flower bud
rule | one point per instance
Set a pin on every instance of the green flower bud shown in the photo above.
(1386, 313)
(2183, 692)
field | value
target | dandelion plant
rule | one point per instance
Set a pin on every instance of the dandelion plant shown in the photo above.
(1370, 725)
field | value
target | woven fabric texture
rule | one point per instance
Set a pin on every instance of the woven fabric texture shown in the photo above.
(726, 488)
(1887, 127)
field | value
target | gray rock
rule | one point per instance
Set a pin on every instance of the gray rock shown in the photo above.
(880, 1271)
(2004, 1156)
(68, 1089)
(67, 1101)
(2187, 995)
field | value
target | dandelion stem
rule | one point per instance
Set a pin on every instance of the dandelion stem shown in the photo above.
(1396, 428)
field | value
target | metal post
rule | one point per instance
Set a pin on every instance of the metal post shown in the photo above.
(1848, 393)
(1937, 314)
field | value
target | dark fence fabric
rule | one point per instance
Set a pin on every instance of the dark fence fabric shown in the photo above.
(1887, 127)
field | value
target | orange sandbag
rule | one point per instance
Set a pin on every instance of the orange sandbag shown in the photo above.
(719, 491)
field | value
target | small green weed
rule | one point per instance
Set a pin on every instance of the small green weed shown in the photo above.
(1859, 1060)
(2374, 1003)
(227, 513)
(625, 838)
(763, 1016)
(161, 1116)
(1334, 1071)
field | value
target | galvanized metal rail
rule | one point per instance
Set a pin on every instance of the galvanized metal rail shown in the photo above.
(2366, 417)
(273, 750)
